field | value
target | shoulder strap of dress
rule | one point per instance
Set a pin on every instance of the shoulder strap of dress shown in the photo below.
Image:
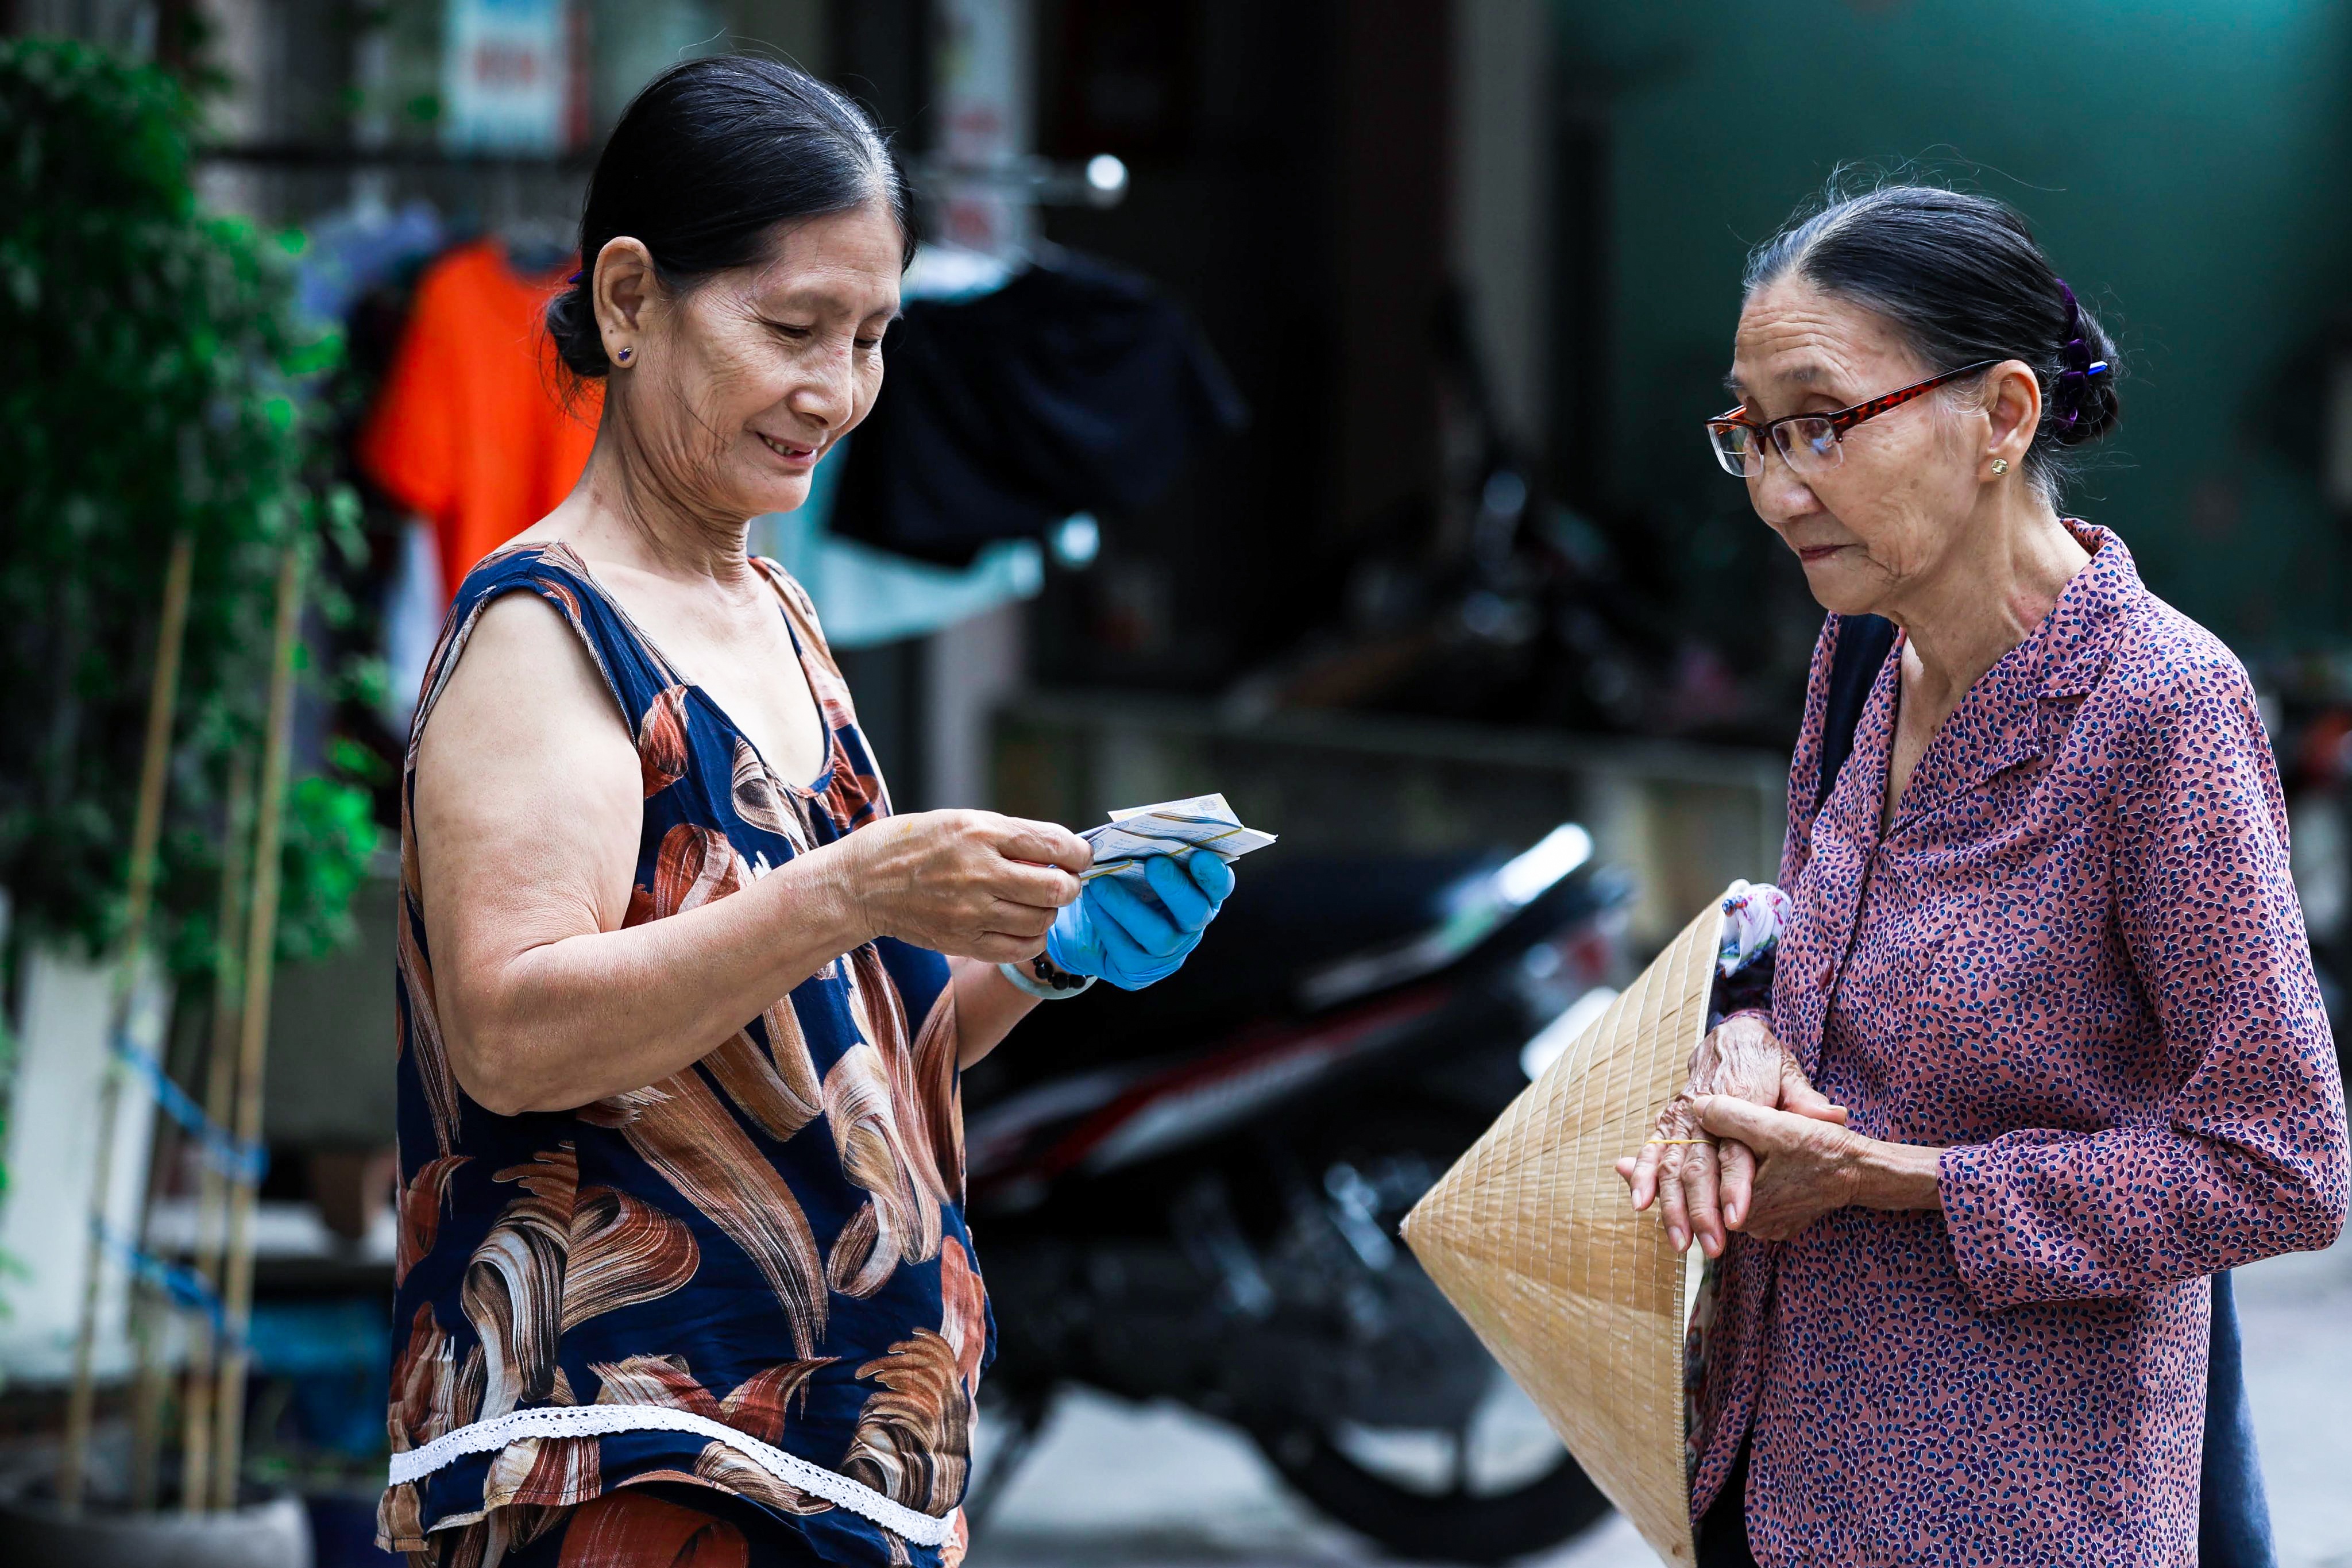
(831, 690)
(1860, 650)
(825, 681)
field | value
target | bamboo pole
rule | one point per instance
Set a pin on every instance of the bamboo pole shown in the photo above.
(155, 1311)
(146, 833)
(253, 1030)
(211, 1192)
(152, 1317)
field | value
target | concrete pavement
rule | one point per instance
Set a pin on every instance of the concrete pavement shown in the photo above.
(1139, 1487)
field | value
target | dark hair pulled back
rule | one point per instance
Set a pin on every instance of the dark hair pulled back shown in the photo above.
(1961, 278)
(705, 162)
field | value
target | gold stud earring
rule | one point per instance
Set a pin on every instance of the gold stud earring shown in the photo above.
(2000, 466)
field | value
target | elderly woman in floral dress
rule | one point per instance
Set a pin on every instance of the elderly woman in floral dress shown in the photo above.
(684, 1277)
(2042, 1048)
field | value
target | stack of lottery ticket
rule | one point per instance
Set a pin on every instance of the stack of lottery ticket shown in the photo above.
(1172, 827)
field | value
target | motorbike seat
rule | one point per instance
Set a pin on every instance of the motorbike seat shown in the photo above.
(1294, 916)
(1290, 916)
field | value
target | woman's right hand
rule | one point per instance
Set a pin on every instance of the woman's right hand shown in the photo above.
(969, 884)
(1702, 1186)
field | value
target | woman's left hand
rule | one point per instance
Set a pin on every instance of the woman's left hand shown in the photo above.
(1805, 1167)
(1115, 932)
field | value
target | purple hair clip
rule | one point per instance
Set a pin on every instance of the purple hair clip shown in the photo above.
(2076, 353)
(583, 273)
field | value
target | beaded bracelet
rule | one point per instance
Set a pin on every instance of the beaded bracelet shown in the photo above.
(1040, 979)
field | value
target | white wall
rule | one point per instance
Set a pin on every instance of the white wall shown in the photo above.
(985, 101)
(1502, 195)
(970, 667)
(51, 1155)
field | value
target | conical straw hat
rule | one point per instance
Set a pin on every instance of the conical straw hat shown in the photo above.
(1532, 1239)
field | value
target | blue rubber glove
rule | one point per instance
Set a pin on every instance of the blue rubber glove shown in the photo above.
(1115, 932)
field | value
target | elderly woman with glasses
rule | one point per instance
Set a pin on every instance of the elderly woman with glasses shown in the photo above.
(2041, 1050)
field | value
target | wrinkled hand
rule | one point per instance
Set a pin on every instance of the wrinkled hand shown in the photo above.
(1117, 934)
(1805, 1166)
(970, 884)
(1703, 1187)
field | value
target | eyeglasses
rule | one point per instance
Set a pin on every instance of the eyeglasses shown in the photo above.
(1809, 443)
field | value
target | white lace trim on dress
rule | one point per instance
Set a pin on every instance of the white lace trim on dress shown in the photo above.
(599, 1420)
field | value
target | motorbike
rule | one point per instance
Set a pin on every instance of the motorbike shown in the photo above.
(1192, 1192)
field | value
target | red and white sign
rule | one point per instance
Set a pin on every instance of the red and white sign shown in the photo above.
(505, 74)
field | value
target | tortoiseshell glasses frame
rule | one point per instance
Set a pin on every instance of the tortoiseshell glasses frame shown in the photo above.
(1810, 442)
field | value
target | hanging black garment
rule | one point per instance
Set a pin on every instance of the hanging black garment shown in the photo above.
(1075, 387)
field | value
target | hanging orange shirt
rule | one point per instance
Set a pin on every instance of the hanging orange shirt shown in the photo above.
(468, 430)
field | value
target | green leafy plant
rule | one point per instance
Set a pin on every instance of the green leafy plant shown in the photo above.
(152, 383)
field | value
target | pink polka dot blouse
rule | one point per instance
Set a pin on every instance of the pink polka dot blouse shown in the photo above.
(2075, 960)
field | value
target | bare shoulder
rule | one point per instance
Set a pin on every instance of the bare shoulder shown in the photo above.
(524, 681)
(527, 776)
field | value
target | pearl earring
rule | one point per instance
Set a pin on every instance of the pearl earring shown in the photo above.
(2000, 465)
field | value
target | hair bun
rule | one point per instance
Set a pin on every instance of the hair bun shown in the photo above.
(572, 322)
(2094, 406)
(2081, 404)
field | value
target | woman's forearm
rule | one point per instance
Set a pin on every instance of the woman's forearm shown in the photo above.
(569, 1022)
(987, 1006)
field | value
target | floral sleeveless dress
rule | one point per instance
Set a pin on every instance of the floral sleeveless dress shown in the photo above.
(752, 1276)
